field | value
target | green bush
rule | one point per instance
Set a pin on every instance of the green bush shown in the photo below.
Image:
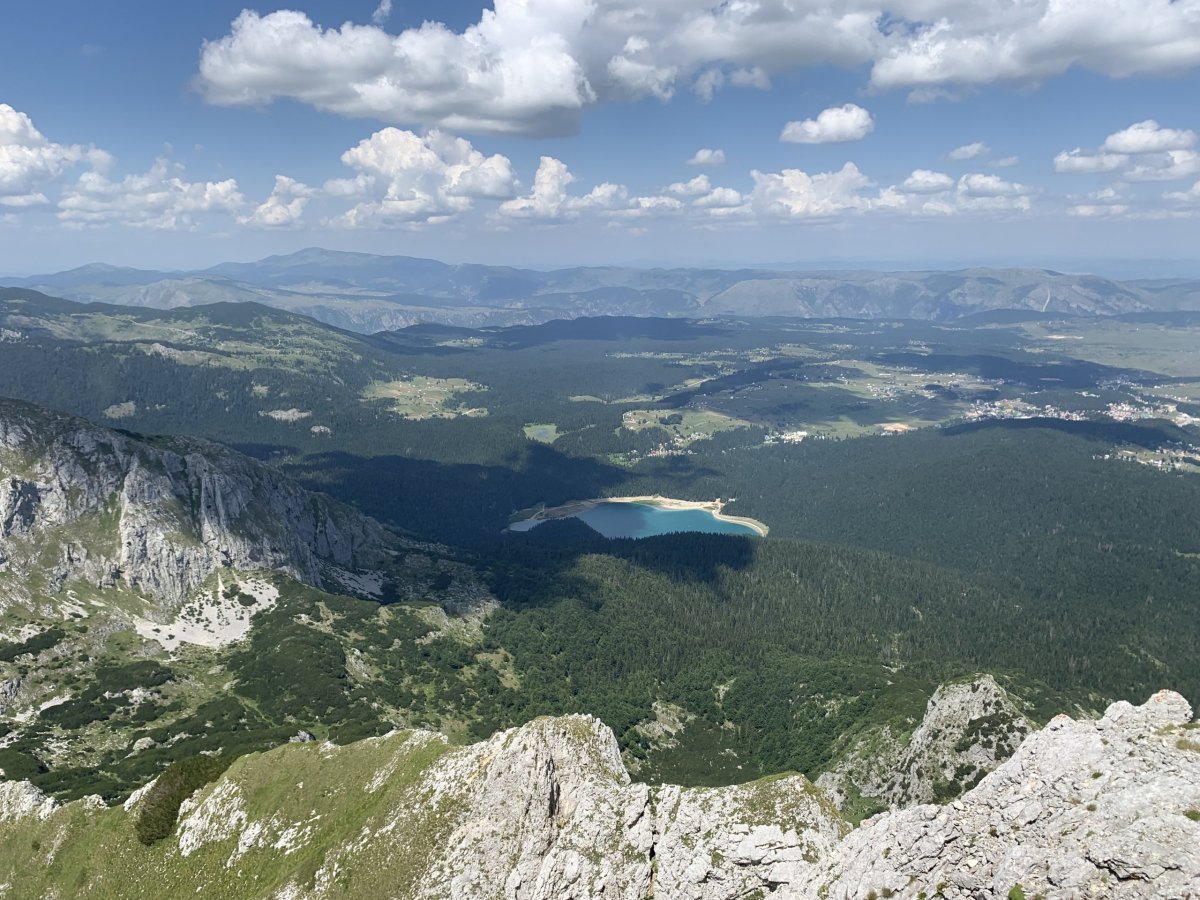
(36, 644)
(160, 806)
(19, 765)
(944, 791)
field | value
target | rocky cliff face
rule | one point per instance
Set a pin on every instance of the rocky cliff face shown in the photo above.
(1106, 808)
(158, 516)
(968, 729)
(1083, 809)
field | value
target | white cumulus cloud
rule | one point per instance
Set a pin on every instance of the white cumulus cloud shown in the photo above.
(161, 198)
(924, 181)
(382, 12)
(29, 161)
(639, 75)
(550, 201)
(1169, 166)
(640, 207)
(978, 42)
(707, 157)
(837, 124)
(709, 81)
(1088, 162)
(1097, 210)
(1149, 137)
(794, 193)
(532, 66)
(1188, 196)
(513, 72)
(693, 188)
(752, 77)
(929, 193)
(1145, 151)
(405, 178)
(719, 198)
(968, 201)
(283, 207)
(969, 151)
(22, 200)
(707, 84)
(978, 185)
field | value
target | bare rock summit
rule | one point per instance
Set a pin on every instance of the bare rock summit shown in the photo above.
(547, 811)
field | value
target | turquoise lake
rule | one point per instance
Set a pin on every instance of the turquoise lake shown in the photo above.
(639, 520)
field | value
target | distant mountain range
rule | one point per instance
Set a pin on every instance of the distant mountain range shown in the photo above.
(370, 293)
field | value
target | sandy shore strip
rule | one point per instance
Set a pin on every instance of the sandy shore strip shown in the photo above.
(580, 506)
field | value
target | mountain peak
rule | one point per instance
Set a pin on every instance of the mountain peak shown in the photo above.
(543, 811)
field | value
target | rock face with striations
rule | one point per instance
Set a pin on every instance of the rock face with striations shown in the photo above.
(968, 729)
(159, 515)
(1083, 809)
(1105, 808)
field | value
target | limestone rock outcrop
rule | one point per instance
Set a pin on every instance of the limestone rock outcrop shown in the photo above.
(21, 800)
(1104, 808)
(968, 729)
(1107, 808)
(159, 515)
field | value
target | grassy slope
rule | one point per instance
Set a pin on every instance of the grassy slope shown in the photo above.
(368, 820)
(94, 852)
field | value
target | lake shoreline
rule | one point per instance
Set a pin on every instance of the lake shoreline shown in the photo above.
(713, 507)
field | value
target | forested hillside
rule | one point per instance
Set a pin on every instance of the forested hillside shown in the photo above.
(1018, 497)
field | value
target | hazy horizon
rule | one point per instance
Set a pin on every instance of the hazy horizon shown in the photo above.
(1114, 268)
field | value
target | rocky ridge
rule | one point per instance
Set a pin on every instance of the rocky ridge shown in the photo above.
(1109, 808)
(158, 516)
(968, 729)
(1105, 808)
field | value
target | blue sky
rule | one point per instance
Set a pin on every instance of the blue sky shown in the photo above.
(557, 132)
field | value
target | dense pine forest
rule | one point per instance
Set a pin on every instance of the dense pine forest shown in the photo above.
(949, 501)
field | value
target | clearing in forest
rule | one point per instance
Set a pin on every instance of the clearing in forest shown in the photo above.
(684, 425)
(546, 433)
(425, 397)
